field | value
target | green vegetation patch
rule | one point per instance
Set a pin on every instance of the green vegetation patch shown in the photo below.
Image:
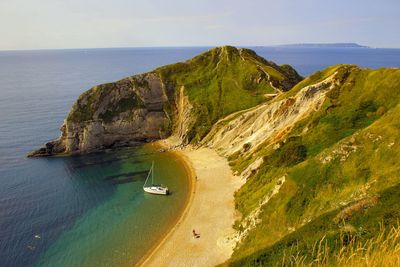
(125, 104)
(365, 223)
(220, 82)
(89, 102)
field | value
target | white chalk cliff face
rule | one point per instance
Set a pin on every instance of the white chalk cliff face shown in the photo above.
(183, 116)
(267, 122)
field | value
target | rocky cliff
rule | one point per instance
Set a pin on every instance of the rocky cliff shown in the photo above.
(116, 114)
(184, 99)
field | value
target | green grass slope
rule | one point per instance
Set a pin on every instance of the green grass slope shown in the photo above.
(341, 169)
(224, 80)
(361, 225)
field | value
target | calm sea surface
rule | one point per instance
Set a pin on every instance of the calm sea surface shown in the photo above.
(90, 210)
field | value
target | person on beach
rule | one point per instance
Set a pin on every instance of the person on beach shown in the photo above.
(195, 235)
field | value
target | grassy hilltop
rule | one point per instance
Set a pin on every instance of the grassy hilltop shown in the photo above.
(224, 80)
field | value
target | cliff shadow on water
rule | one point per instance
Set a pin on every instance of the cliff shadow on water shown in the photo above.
(117, 222)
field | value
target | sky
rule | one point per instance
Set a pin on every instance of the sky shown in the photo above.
(54, 24)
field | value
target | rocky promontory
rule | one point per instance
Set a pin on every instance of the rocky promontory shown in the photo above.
(115, 114)
(184, 99)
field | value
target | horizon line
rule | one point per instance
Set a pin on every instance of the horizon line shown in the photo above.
(289, 45)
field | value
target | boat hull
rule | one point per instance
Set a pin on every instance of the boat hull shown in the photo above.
(156, 190)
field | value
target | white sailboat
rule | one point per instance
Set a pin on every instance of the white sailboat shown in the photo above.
(154, 189)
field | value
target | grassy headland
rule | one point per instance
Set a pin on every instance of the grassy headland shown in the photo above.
(340, 168)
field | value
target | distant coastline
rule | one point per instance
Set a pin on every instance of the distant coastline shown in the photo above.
(325, 45)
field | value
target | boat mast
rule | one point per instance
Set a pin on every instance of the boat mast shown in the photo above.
(148, 175)
(152, 173)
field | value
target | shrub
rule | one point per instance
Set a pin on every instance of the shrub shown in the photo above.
(291, 154)
(246, 146)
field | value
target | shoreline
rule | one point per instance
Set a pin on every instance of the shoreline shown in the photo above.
(191, 177)
(209, 210)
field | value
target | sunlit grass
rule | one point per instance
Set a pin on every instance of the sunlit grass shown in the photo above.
(382, 250)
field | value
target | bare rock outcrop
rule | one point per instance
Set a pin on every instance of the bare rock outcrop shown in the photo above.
(123, 113)
(268, 121)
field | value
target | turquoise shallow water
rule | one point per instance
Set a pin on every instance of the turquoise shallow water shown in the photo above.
(89, 210)
(82, 215)
(127, 222)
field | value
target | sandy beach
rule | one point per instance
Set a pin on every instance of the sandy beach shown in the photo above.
(210, 212)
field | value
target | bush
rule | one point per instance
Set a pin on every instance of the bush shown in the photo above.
(246, 146)
(291, 154)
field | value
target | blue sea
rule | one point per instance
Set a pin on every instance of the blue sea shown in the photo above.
(90, 210)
